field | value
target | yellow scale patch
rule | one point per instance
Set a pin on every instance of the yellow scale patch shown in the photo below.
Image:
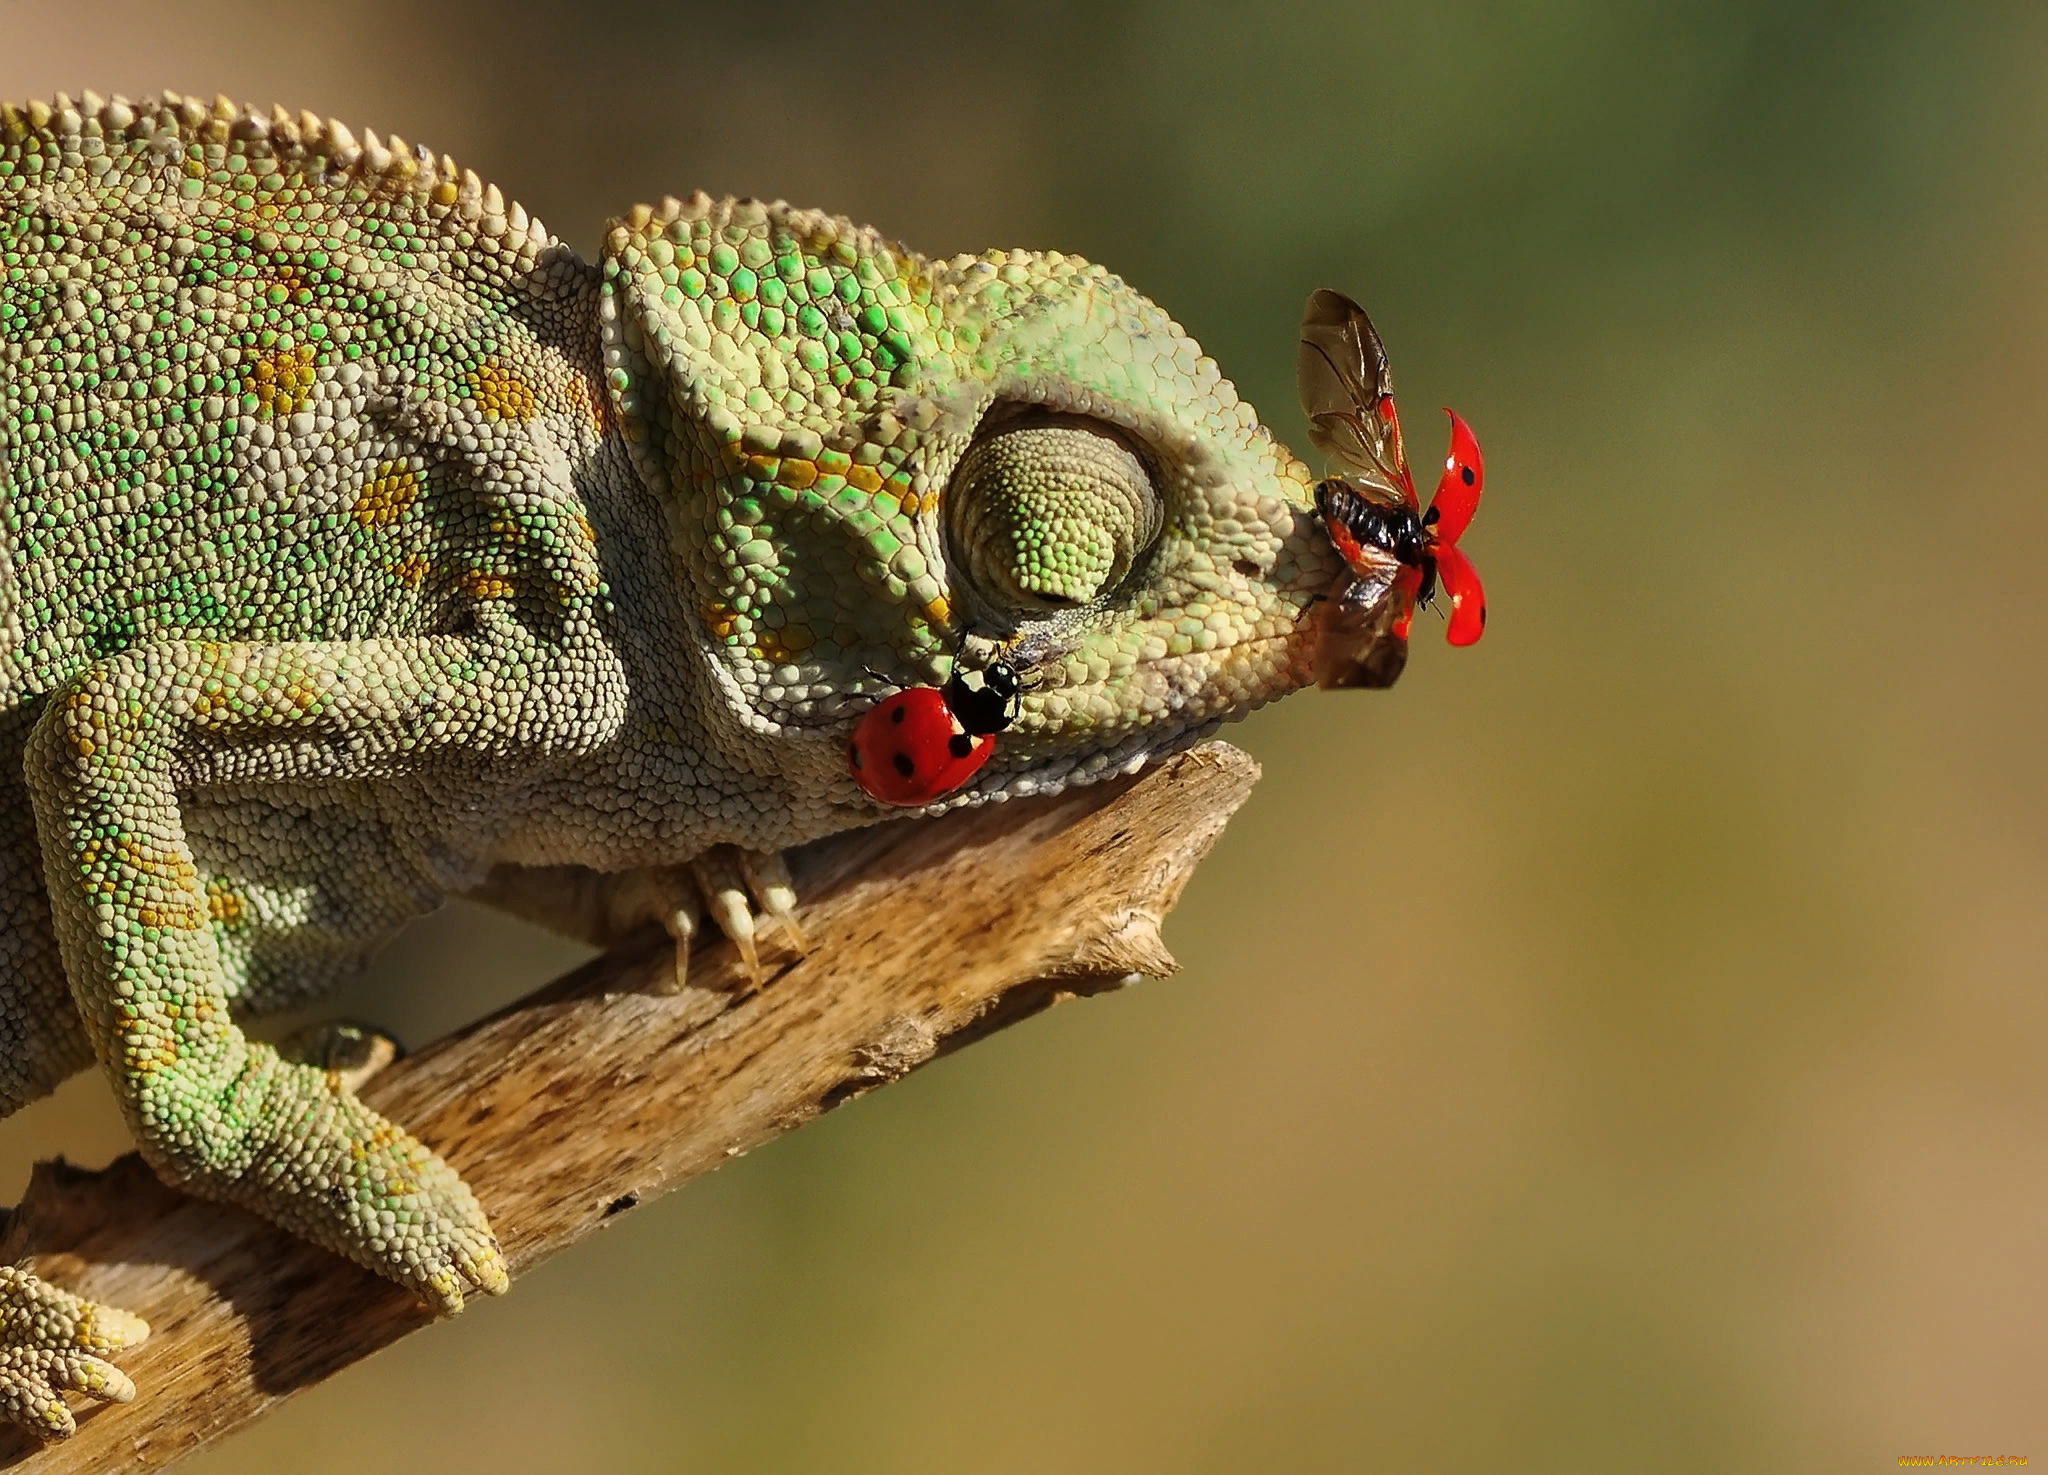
(287, 285)
(796, 473)
(503, 393)
(177, 911)
(581, 402)
(787, 645)
(479, 585)
(411, 571)
(720, 619)
(82, 702)
(783, 646)
(304, 690)
(387, 496)
(225, 905)
(282, 381)
(505, 527)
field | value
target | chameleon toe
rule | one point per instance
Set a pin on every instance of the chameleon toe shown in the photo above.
(767, 876)
(49, 1343)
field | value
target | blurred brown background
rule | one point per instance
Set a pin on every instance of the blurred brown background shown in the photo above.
(1619, 1048)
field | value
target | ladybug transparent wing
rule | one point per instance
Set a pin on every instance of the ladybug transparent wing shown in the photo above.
(1364, 637)
(1347, 392)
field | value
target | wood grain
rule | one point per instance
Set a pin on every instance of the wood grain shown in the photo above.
(599, 1092)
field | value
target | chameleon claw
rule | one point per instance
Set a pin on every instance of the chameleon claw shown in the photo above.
(95, 1377)
(736, 920)
(731, 884)
(725, 893)
(659, 895)
(768, 878)
(680, 922)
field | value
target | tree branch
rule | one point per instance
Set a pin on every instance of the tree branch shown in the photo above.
(598, 1093)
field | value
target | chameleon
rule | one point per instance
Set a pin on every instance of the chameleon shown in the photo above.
(365, 546)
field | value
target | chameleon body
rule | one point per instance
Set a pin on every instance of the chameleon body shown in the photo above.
(363, 545)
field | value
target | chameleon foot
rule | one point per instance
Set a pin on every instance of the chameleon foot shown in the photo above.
(733, 881)
(313, 1158)
(52, 1341)
(346, 1048)
(740, 887)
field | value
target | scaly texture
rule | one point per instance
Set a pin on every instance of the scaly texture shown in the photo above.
(360, 539)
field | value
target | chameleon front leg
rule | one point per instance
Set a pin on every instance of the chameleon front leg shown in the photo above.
(212, 1111)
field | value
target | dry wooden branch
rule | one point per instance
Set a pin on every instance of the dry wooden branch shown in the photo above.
(598, 1093)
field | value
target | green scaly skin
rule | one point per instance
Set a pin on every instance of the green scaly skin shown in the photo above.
(363, 545)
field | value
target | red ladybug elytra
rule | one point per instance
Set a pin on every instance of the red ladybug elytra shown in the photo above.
(923, 742)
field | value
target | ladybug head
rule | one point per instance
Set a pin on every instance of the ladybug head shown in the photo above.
(985, 700)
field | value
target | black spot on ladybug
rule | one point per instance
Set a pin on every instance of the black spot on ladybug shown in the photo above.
(960, 745)
(855, 750)
(897, 714)
(1466, 473)
(1430, 517)
(1482, 617)
(904, 765)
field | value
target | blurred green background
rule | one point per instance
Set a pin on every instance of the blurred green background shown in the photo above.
(1620, 1047)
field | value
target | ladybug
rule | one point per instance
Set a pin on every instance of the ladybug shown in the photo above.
(923, 742)
(1395, 553)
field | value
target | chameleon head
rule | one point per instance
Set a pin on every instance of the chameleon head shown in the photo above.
(866, 457)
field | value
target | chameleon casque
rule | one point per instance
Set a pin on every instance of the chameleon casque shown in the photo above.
(363, 545)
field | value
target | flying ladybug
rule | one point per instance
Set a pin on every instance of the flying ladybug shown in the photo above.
(1395, 553)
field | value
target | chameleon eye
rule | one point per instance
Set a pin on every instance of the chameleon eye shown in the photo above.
(1049, 512)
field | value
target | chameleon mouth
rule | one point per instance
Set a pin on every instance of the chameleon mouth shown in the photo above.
(1201, 691)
